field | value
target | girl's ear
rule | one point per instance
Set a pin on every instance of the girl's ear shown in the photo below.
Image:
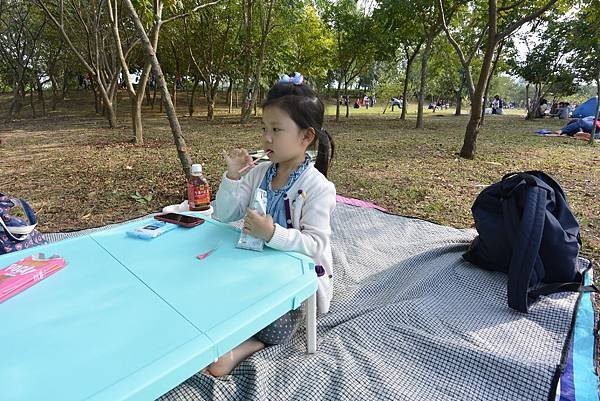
(309, 136)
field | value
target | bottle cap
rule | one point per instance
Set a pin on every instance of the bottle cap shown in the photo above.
(196, 168)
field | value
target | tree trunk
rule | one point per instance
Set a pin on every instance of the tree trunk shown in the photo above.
(409, 64)
(485, 103)
(596, 114)
(404, 95)
(230, 96)
(470, 140)
(15, 106)
(40, 91)
(171, 114)
(136, 119)
(31, 101)
(210, 104)
(265, 30)
(148, 97)
(459, 96)
(469, 144)
(175, 93)
(96, 98)
(114, 100)
(534, 103)
(259, 97)
(54, 92)
(247, 28)
(489, 80)
(337, 106)
(96, 72)
(154, 95)
(65, 85)
(423, 84)
(348, 102)
(110, 115)
(530, 111)
(19, 94)
(137, 97)
(191, 98)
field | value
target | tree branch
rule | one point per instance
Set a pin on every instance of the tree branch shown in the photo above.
(453, 42)
(517, 24)
(66, 37)
(193, 10)
(510, 7)
(477, 45)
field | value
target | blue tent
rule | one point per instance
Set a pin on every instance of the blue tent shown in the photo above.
(586, 109)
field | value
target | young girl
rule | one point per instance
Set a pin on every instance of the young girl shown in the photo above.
(292, 121)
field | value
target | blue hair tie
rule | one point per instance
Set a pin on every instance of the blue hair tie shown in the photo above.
(297, 79)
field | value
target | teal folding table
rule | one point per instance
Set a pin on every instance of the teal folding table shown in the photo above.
(129, 319)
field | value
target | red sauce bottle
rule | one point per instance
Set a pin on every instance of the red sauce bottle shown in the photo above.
(198, 190)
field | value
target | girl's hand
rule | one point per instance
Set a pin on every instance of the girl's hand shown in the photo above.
(236, 159)
(259, 226)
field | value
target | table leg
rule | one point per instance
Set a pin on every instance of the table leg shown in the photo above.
(311, 323)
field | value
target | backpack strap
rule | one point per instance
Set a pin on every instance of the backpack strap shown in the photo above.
(561, 287)
(576, 286)
(526, 241)
(569, 225)
(20, 233)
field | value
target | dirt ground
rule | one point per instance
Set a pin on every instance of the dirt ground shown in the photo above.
(77, 173)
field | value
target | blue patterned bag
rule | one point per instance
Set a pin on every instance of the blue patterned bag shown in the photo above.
(15, 233)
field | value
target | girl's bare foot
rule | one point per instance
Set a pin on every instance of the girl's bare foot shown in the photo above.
(227, 362)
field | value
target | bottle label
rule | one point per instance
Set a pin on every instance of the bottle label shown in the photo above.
(201, 195)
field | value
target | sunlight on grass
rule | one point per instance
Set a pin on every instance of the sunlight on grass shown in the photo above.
(378, 158)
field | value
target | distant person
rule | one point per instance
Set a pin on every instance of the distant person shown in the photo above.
(578, 125)
(396, 102)
(543, 107)
(497, 105)
(565, 112)
(562, 111)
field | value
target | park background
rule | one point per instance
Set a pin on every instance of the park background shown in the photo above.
(106, 103)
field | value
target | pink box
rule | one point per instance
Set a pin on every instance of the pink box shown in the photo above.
(26, 272)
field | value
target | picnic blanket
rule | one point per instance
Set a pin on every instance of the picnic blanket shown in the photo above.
(411, 320)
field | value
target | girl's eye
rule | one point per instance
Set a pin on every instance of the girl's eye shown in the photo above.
(276, 130)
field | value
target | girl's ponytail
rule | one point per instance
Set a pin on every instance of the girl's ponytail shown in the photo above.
(325, 151)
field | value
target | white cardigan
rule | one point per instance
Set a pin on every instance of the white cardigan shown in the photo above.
(311, 199)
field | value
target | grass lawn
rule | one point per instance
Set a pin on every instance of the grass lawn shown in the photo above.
(77, 173)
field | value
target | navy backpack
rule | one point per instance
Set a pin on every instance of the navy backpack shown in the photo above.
(527, 231)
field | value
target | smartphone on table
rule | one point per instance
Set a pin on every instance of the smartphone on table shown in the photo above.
(180, 219)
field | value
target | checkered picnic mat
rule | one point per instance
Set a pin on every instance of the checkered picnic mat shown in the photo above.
(410, 320)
